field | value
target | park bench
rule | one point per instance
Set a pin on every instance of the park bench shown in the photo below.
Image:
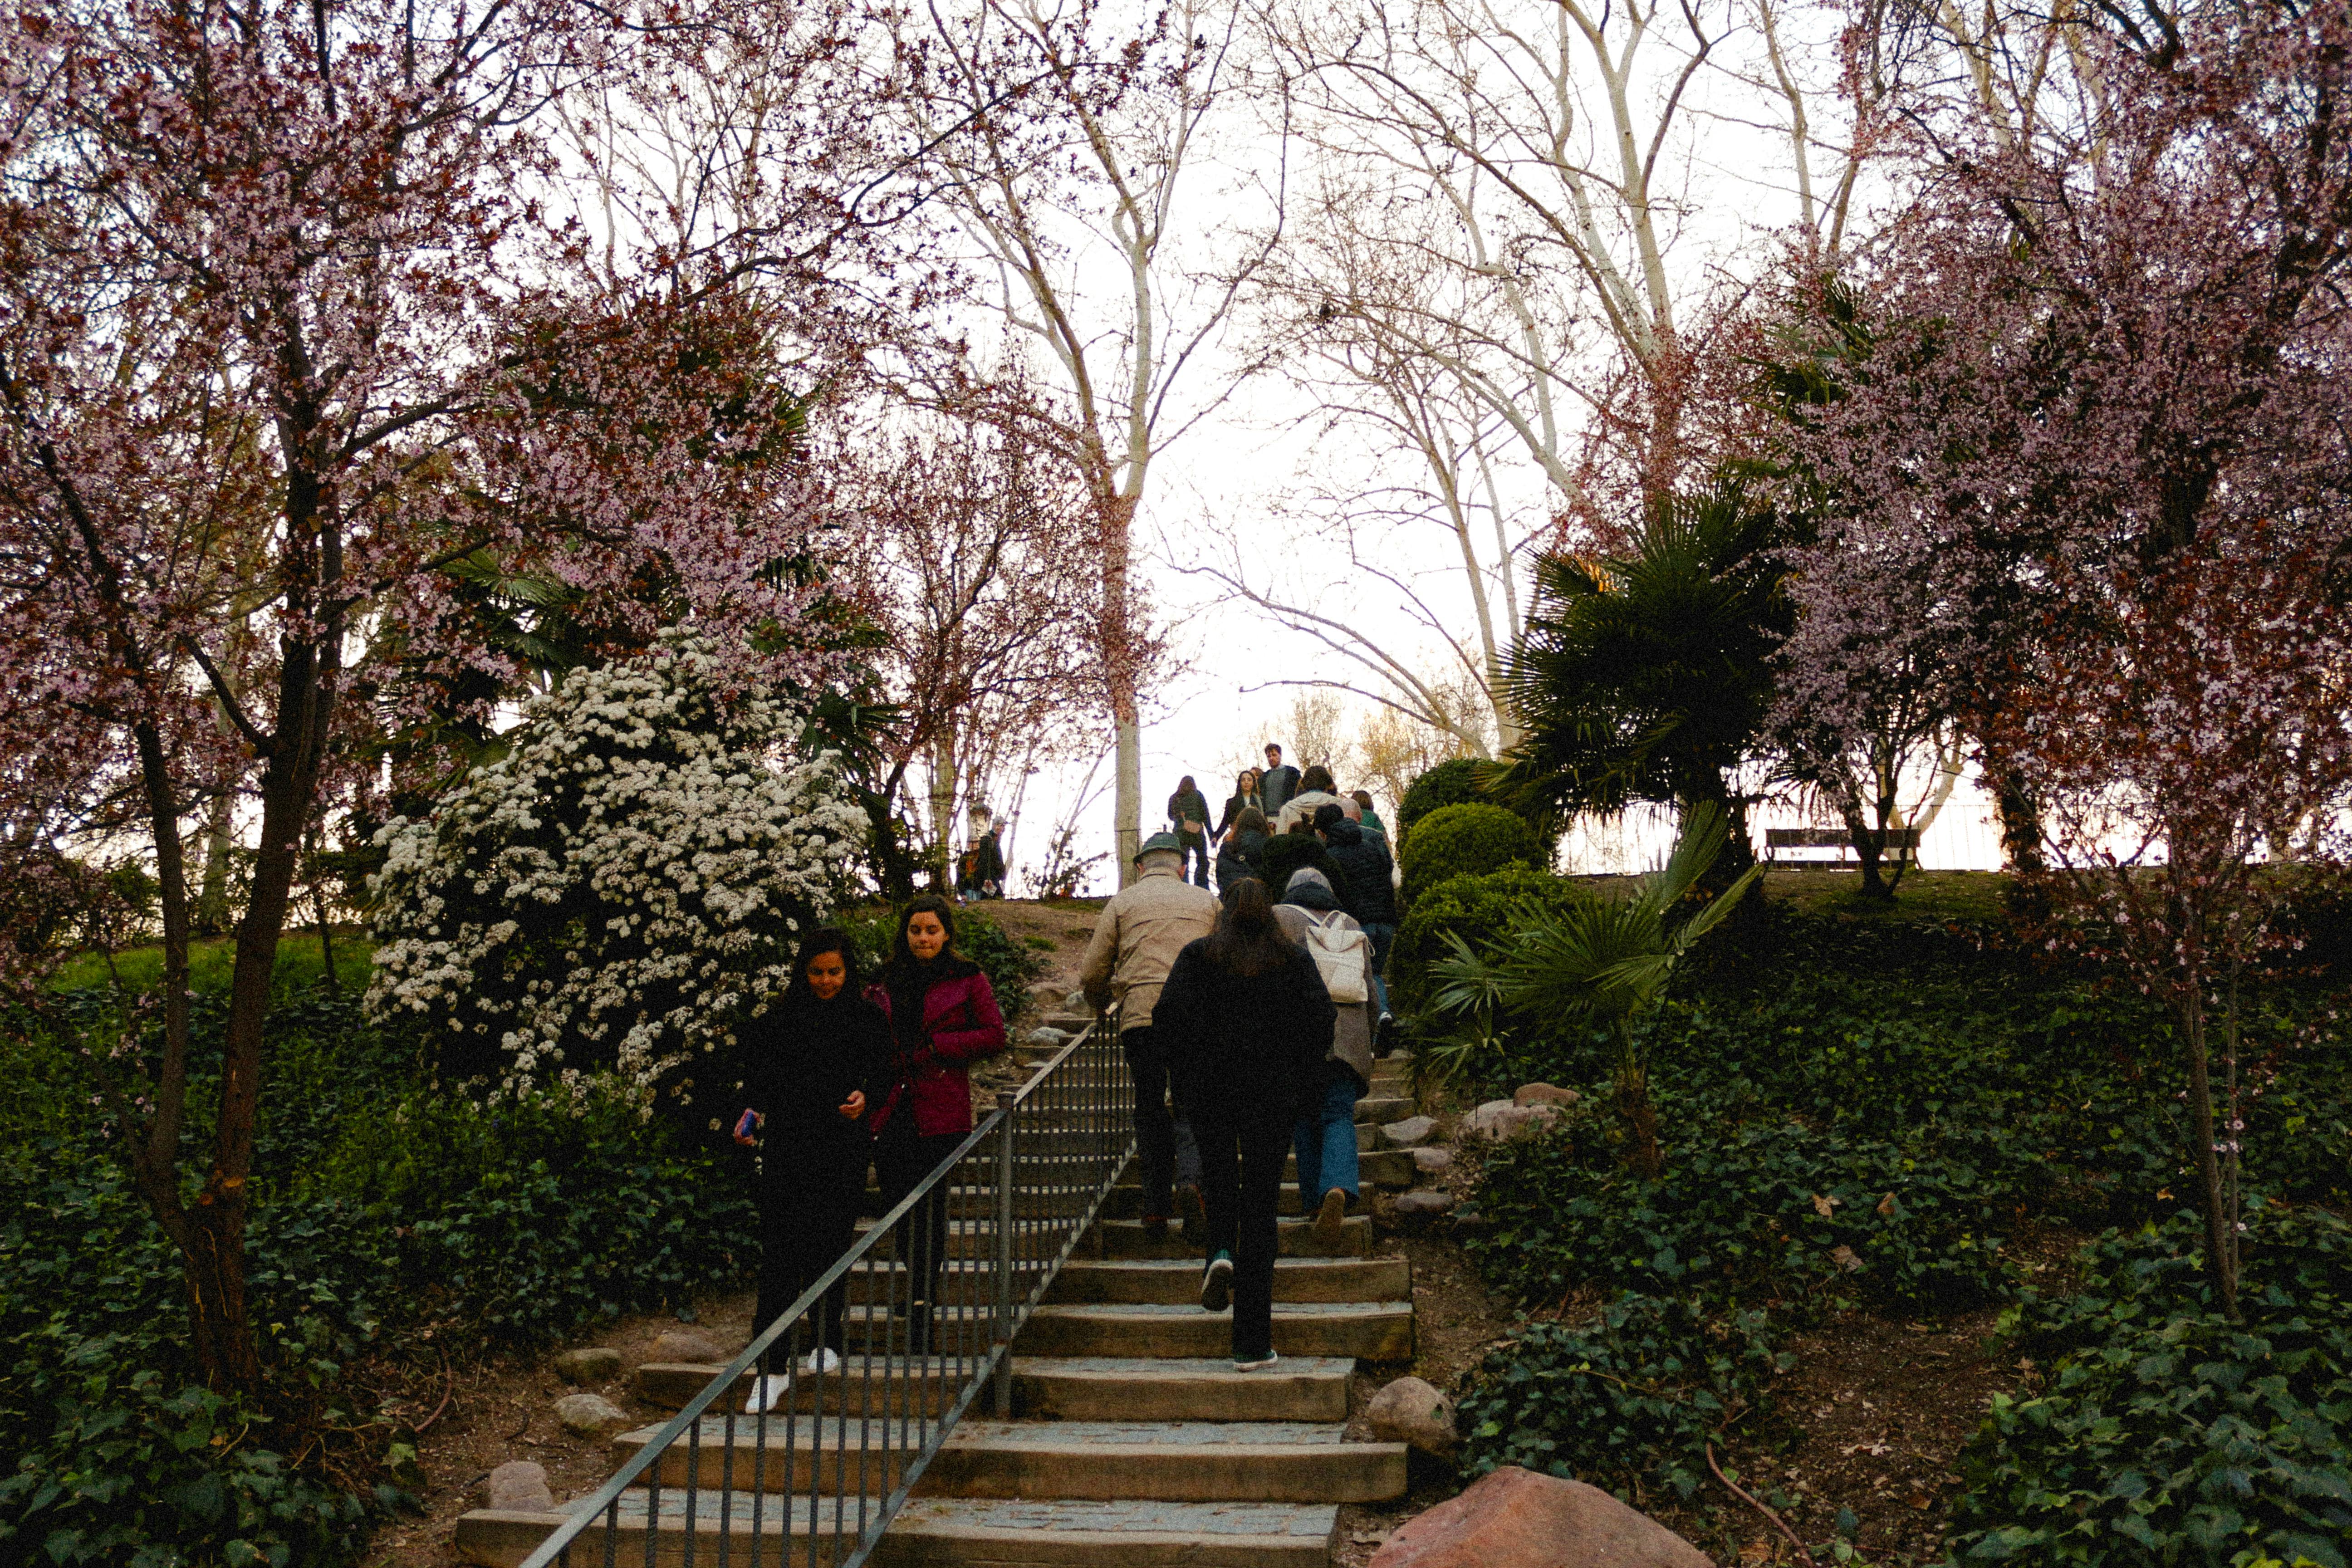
(1902, 844)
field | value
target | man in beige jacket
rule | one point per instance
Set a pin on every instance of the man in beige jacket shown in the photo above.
(1136, 939)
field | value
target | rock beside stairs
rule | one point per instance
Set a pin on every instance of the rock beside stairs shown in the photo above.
(1413, 1411)
(1517, 1519)
(518, 1485)
(592, 1363)
(590, 1415)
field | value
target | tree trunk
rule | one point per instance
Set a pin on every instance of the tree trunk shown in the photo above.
(1631, 1087)
(1119, 680)
(943, 792)
(212, 899)
(2220, 1243)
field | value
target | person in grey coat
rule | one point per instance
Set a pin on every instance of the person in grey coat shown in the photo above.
(1323, 1136)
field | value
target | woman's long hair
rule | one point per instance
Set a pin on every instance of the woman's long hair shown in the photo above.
(816, 945)
(1251, 820)
(1248, 941)
(1246, 782)
(1317, 777)
(1186, 786)
(904, 965)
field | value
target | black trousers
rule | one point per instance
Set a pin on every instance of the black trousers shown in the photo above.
(807, 1220)
(1163, 1136)
(902, 1158)
(1241, 1177)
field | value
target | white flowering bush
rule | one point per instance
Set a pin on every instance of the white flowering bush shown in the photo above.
(617, 891)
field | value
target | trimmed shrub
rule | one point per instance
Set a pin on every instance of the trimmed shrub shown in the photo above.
(1447, 783)
(1470, 908)
(1467, 840)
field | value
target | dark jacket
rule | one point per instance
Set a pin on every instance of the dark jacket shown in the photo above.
(1237, 859)
(1286, 852)
(1182, 804)
(802, 1058)
(960, 1025)
(1364, 889)
(1274, 788)
(1250, 1048)
(1235, 803)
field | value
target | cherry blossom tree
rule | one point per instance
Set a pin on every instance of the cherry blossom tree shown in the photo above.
(284, 331)
(977, 565)
(2094, 465)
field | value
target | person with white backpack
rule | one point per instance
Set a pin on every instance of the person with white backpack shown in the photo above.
(1324, 1137)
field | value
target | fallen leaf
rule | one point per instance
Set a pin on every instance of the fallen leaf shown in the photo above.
(1756, 1551)
(1887, 1205)
(1822, 1206)
(1844, 1258)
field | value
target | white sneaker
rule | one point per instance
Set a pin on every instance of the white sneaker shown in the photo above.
(767, 1393)
(823, 1360)
(1257, 1366)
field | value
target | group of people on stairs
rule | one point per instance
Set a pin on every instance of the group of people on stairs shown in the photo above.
(1250, 1022)
(839, 1074)
(1249, 1027)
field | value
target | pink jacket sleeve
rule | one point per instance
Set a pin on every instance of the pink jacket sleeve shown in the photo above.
(973, 1029)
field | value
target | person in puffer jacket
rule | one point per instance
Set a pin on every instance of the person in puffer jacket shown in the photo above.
(1368, 892)
(943, 1018)
(1323, 1136)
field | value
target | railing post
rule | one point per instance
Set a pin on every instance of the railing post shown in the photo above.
(1005, 1099)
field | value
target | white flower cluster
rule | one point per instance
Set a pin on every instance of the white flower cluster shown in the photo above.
(618, 890)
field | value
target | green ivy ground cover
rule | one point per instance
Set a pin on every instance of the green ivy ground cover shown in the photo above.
(1870, 1117)
(387, 1206)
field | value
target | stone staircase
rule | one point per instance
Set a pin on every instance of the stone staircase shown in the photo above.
(1134, 1443)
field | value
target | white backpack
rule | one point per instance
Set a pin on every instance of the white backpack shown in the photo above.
(1342, 956)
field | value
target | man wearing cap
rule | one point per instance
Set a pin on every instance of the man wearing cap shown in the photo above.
(1136, 941)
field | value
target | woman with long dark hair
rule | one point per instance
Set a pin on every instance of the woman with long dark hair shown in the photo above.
(1248, 1020)
(1238, 855)
(1243, 798)
(811, 1062)
(942, 1017)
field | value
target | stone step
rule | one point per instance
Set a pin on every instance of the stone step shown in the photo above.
(1162, 1461)
(1036, 1201)
(1125, 1202)
(1296, 1239)
(966, 1237)
(867, 1386)
(974, 1532)
(1374, 1109)
(1165, 1461)
(1176, 1282)
(1075, 1388)
(1165, 1388)
(1374, 1331)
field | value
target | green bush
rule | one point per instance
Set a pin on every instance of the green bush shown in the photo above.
(1628, 1400)
(2164, 1434)
(1467, 840)
(1470, 907)
(1447, 783)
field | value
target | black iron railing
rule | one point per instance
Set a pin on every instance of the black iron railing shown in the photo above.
(818, 1477)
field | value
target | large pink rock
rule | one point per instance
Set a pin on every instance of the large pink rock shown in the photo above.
(1517, 1519)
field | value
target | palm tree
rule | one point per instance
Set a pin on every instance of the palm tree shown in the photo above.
(1648, 675)
(1600, 965)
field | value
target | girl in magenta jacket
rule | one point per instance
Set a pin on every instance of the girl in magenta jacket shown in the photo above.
(943, 1018)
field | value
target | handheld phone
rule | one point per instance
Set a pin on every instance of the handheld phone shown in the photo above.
(743, 1129)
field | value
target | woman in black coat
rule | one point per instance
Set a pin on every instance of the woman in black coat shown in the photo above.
(1237, 857)
(813, 1062)
(1243, 798)
(1245, 1021)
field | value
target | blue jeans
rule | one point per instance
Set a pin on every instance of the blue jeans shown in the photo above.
(1382, 934)
(1325, 1141)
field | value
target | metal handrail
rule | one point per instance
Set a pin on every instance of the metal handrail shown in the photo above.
(1086, 1086)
